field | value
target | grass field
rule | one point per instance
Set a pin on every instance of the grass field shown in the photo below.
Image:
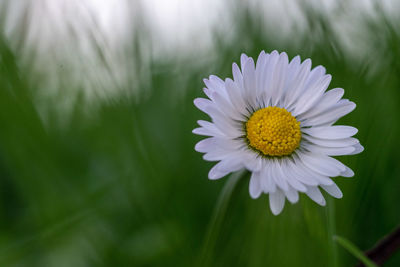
(114, 180)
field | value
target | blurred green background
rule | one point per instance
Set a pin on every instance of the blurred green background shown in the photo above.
(112, 179)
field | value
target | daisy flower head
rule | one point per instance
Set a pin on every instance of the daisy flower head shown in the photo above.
(275, 118)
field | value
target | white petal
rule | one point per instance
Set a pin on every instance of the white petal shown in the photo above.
(298, 84)
(233, 144)
(217, 154)
(236, 97)
(276, 202)
(315, 74)
(208, 92)
(205, 145)
(314, 193)
(297, 171)
(293, 67)
(329, 99)
(268, 79)
(334, 94)
(329, 151)
(208, 129)
(237, 75)
(358, 149)
(202, 131)
(260, 59)
(249, 81)
(292, 71)
(215, 84)
(202, 103)
(321, 164)
(223, 148)
(215, 173)
(347, 172)
(226, 107)
(225, 124)
(224, 167)
(291, 177)
(312, 95)
(260, 66)
(279, 77)
(331, 142)
(333, 190)
(267, 182)
(332, 115)
(255, 185)
(292, 195)
(311, 174)
(218, 84)
(296, 184)
(243, 59)
(252, 160)
(278, 176)
(211, 86)
(331, 132)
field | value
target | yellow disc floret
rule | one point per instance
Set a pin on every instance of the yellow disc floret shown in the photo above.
(273, 131)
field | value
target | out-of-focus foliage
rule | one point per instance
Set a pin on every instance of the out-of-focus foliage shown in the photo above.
(118, 183)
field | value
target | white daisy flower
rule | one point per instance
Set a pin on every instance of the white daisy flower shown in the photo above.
(275, 118)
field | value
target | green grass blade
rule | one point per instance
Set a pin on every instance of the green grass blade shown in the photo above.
(218, 217)
(330, 213)
(356, 252)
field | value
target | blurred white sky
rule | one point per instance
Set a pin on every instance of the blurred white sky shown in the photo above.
(64, 29)
(175, 23)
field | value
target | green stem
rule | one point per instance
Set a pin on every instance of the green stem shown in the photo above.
(355, 251)
(330, 213)
(218, 217)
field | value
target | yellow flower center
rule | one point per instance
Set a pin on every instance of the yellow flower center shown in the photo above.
(273, 131)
